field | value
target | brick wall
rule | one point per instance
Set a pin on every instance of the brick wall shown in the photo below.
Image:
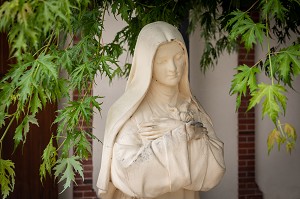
(247, 187)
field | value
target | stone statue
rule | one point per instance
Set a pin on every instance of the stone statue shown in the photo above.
(159, 142)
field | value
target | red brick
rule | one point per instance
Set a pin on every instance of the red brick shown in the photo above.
(246, 157)
(246, 191)
(89, 194)
(82, 187)
(78, 194)
(251, 185)
(79, 181)
(88, 174)
(251, 139)
(246, 168)
(251, 127)
(246, 180)
(246, 145)
(242, 174)
(242, 139)
(251, 174)
(87, 162)
(242, 127)
(251, 151)
(242, 163)
(88, 167)
(242, 115)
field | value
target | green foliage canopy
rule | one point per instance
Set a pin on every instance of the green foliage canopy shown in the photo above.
(43, 38)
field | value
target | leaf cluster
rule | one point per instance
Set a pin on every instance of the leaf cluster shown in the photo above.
(282, 135)
(46, 38)
(280, 65)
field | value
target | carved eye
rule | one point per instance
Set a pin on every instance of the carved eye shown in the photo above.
(161, 61)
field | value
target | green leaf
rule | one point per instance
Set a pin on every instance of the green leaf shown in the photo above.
(35, 103)
(272, 138)
(242, 25)
(23, 129)
(18, 137)
(20, 36)
(273, 102)
(82, 145)
(66, 167)
(47, 65)
(46, 13)
(274, 8)
(2, 117)
(25, 85)
(48, 160)
(287, 61)
(245, 78)
(7, 177)
(8, 12)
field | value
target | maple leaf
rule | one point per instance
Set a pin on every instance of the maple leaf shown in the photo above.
(286, 135)
(290, 131)
(46, 65)
(287, 61)
(242, 25)
(7, 177)
(48, 160)
(275, 8)
(23, 129)
(65, 167)
(35, 103)
(8, 11)
(245, 78)
(273, 102)
(273, 137)
(82, 145)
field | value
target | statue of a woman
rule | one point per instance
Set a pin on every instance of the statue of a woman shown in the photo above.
(159, 142)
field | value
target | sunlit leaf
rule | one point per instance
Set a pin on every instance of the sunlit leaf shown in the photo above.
(272, 138)
(48, 160)
(242, 25)
(7, 177)
(290, 131)
(65, 168)
(245, 78)
(274, 100)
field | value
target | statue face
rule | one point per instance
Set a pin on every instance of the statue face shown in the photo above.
(168, 64)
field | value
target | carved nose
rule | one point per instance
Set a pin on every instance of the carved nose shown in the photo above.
(172, 66)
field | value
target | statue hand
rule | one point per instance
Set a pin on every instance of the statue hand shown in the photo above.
(196, 130)
(158, 127)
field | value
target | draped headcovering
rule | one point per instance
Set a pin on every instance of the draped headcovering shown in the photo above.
(149, 39)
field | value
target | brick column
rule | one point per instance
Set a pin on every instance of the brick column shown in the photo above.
(247, 187)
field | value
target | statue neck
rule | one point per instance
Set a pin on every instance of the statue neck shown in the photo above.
(163, 94)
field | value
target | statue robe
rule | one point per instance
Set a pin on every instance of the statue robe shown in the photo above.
(169, 167)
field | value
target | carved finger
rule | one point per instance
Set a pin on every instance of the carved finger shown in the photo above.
(150, 133)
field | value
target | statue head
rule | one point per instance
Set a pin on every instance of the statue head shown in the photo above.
(153, 39)
(169, 64)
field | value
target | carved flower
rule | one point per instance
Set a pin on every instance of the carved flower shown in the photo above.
(182, 113)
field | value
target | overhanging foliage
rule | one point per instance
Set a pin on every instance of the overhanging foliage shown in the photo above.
(43, 39)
